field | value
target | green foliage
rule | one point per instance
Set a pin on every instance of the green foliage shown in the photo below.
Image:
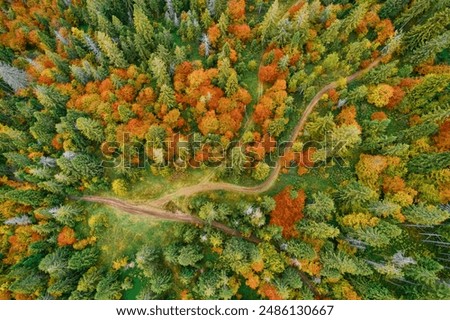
(111, 50)
(91, 128)
(68, 214)
(300, 250)
(355, 197)
(189, 255)
(261, 171)
(317, 230)
(108, 288)
(392, 8)
(431, 48)
(427, 162)
(426, 214)
(336, 264)
(432, 28)
(322, 207)
(83, 259)
(27, 197)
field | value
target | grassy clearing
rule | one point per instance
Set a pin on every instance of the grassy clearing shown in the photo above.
(150, 186)
(121, 235)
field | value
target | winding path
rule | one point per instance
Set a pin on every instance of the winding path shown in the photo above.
(271, 179)
(155, 208)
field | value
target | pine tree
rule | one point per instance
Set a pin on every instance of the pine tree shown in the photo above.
(112, 51)
(159, 70)
(392, 8)
(104, 25)
(354, 18)
(433, 27)
(61, 64)
(167, 96)
(317, 230)
(88, 281)
(284, 32)
(425, 215)
(91, 128)
(269, 24)
(417, 8)
(190, 27)
(180, 55)
(430, 49)
(68, 215)
(332, 33)
(428, 162)
(43, 130)
(15, 78)
(109, 288)
(355, 197)
(189, 255)
(232, 85)
(261, 171)
(206, 44)
(237, 162)
(55, 263)
(156, 135)
(322, 208)
(277, 126)
(144, 37)
(83, 259)
(223, 24)
(206, 19)
(225, 72)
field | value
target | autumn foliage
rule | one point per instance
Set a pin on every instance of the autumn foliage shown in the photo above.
(288, 211)
(236, 9)
(378, 116)
(271, 72)
(66, 237)
(215, 113)
(442, 139)
(270, 292)
(19, 242)
(241, 31)
(271, 105)
(380, 95)
(397, 96)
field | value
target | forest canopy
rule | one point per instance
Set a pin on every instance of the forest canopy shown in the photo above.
(224, 149)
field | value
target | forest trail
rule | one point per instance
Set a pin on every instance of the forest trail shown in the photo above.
(271, 179)
(161, 214)
(166, 215)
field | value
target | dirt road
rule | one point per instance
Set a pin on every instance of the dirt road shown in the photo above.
(166, 215)
(161, 214)
(271, 179)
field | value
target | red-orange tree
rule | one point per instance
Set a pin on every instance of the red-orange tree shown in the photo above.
(288, 211)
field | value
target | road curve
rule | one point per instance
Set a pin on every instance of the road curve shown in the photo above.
(269, 182)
